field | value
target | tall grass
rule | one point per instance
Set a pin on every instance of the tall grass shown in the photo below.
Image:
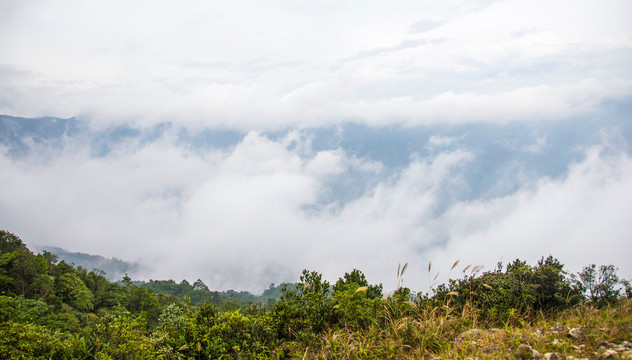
(425, 327)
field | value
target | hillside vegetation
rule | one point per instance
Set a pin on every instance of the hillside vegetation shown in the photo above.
(52, 310)
(113, 268)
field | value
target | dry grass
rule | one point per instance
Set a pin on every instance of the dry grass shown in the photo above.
(427, 332)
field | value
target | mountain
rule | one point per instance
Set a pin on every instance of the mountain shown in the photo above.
(114, 268)
(425, 189)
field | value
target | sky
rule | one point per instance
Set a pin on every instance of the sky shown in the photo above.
(240, 142)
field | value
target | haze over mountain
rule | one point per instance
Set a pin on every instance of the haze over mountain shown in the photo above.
(203, 144)
(112, 268)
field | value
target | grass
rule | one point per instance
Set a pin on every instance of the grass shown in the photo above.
(428, 332)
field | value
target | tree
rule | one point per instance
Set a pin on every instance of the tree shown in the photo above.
(19, 269)
(554, 290)
(600, 285)
(143, 301)
(50, 257)
(199, 285)
(9, 242)
(106, 294)
(627, 288)
(304, 310)
(357, 302)
(74, 292)
(356, 279)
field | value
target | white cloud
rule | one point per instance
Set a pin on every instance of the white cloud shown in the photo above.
(436, 141)
(538, 146)
(211, 215)
(252, 66)
(214, 64)
(237, 219)
(579, 219)
(327, 163)
(523, 104)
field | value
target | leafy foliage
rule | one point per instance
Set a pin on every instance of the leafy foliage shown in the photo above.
(199, 293)
(600, 285)
(50, 309)
(521, 289)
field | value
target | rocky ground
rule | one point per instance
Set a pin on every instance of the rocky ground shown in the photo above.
(587, 333)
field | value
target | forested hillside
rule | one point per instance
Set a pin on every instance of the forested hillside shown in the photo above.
(52, 310)
(114, 269)
(198, 293)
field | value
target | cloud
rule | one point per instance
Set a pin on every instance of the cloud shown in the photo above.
(425, 25)
(211, 65)
(233, 217)
(244, 216)
(579, 219)
(406, 44)
(523, 104)
(266, 200)
(538, 146)
(441, 141)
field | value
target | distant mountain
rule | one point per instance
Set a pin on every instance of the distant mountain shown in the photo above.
(20, 134)
(114, 268)
(506, 155)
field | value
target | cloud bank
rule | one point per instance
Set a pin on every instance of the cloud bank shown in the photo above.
(244, 65)
(462, 130)
(252, 214)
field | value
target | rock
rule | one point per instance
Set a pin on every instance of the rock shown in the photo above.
(576, 333)
(469, 335)
(536, 354)
(557, 342)
(606, 354)
(553, 356)
(606, 344)
(526, 352)
(491, 349)
(626, 344)
(557, 328)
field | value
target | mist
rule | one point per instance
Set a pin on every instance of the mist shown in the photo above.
(243, 216)
(241, 142)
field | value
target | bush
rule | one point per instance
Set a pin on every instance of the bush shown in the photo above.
(120, 335)
(231, 335)
(31, 341)
(357, 302)
(520, 290)
(304, 311)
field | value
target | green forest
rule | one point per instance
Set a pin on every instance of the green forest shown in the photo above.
(50, 309)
